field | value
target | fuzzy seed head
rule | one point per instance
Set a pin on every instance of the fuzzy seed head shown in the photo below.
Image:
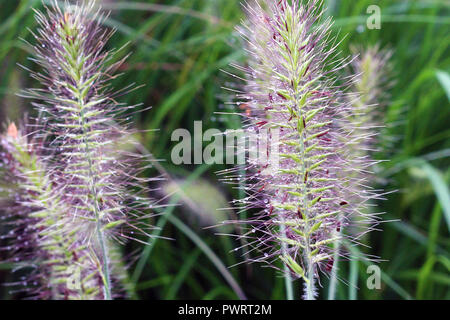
(291, 88)
(87, 195)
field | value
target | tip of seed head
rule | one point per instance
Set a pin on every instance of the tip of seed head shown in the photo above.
(12, 131)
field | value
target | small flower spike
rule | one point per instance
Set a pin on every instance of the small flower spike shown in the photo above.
(372, 82)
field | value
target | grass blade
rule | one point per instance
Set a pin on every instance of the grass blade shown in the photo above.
(441, 189)
(444, 79)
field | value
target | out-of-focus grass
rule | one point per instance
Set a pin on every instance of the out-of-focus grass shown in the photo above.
(178, 48)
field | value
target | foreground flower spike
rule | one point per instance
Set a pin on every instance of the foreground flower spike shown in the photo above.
(95, 179)
(28, 204)
(290, 88)
(40, 232)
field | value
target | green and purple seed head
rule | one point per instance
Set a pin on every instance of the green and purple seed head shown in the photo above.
(100, 192)
(291, 88)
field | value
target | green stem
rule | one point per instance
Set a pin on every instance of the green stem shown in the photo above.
(310, 283)
(287, 272)
(98, 226)
(334, 271)
(353, 285)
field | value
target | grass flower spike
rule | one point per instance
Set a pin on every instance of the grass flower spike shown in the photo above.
(36, 218)
(372, 70)
(291, 87)
(101, 194)
(367, 99)
(25, 198)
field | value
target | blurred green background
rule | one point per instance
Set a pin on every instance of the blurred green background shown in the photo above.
(178, 49)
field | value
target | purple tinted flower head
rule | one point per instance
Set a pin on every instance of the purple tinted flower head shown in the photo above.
(100, 197)
(32, 214)
(307, 200)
